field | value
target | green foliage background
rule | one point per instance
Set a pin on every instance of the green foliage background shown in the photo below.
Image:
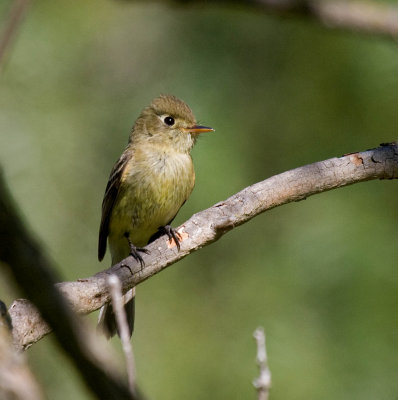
(319, 275)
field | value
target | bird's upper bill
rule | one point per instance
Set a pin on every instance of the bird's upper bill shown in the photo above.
(198, 129)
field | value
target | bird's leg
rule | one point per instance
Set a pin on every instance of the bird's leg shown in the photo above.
(172, 234)
(135, 251)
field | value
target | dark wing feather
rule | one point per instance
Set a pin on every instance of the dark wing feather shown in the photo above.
(111, 192)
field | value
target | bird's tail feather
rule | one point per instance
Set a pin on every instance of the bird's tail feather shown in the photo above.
(107, 321)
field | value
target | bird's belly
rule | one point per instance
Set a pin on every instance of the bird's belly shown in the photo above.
(148, 201)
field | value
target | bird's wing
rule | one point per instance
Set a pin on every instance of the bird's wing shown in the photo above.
(111, 192)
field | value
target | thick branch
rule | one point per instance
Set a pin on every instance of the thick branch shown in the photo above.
(205, 227)
(33, 272)
(16, 380)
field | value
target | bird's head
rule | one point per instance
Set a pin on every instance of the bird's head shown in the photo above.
(167, 121)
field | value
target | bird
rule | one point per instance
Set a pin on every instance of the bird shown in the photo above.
(147, 186)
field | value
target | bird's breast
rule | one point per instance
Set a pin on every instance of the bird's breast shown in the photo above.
(155, 184)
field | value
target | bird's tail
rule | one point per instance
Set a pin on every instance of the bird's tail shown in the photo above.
(107, 321)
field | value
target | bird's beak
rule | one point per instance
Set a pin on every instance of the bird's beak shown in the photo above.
(198, 129)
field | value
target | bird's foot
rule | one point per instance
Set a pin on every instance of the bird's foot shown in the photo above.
(135, 252)
(173, 235)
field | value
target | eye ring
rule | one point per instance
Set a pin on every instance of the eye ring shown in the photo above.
(169, 120)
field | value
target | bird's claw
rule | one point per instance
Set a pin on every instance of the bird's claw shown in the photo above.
(173, 235)
(135, 252)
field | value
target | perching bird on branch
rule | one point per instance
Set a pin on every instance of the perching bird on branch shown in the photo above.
(147, 186)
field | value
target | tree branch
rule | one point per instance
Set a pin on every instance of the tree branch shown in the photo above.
(16, 380)
(115, 289)
(205, 227)
(34, 274)
(349, 15)
(263, 382)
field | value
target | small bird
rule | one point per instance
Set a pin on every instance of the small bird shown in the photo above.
(147, 186)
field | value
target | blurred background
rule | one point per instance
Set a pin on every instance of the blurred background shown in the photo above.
(319, 275)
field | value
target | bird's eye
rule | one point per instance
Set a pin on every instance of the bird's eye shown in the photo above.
(169, 121)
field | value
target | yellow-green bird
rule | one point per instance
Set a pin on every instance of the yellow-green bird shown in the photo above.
(147, 186)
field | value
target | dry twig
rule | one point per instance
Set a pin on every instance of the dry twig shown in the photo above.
(263, 382)
(115, 289)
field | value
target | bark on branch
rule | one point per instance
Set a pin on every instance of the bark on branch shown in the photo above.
(205, 227)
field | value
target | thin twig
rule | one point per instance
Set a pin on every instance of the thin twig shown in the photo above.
(14, 21)
(121, 319)
(263, 382)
